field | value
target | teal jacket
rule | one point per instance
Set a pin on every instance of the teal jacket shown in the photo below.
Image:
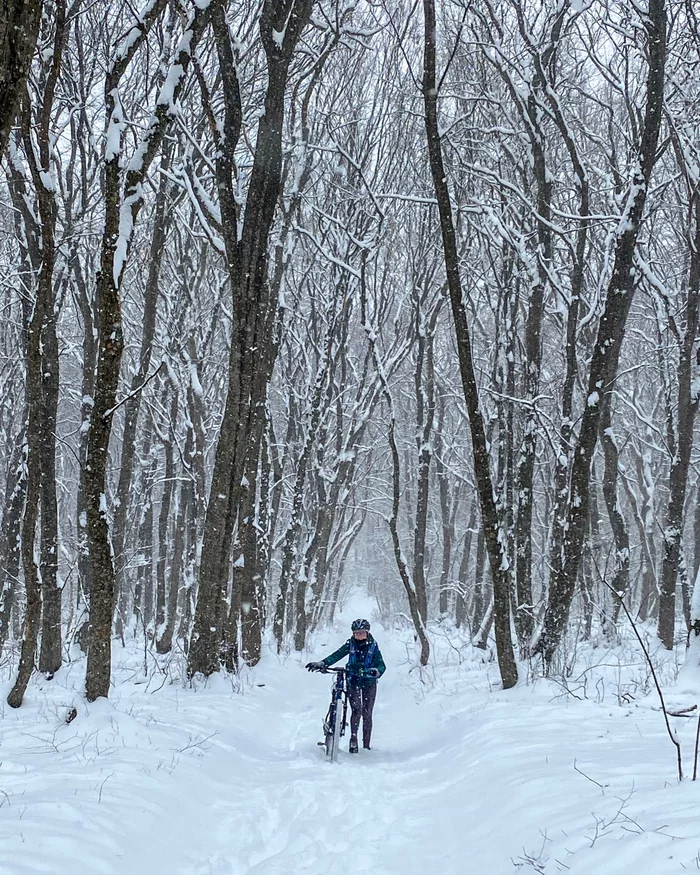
(377, 661)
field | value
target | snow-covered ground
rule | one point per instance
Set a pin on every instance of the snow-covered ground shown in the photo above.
(463, 778)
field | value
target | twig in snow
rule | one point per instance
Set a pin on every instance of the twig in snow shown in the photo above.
(99, 798)
(196, 743)
(588, 777)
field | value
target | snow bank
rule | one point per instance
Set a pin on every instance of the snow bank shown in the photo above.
(229, 780)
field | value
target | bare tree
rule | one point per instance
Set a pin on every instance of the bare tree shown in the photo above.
(42, 392)
(611, 332)
(252, 352)
(495, 539)
(121, 211)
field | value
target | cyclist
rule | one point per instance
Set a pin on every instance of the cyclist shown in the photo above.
(365, 667)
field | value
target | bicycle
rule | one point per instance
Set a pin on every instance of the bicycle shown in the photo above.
(335, 720)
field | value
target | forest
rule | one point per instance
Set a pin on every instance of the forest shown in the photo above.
(306, 295)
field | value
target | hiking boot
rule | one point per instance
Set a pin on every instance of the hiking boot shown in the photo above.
(353, 744)
(366, 747)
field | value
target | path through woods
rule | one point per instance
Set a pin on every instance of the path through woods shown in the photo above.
(461, 779)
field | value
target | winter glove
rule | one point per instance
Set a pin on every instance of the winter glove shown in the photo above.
(316, 666)
(373, 672)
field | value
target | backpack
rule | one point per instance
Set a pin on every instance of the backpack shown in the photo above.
(354, 657)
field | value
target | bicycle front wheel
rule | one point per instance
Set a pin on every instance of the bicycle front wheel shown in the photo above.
(334, 735)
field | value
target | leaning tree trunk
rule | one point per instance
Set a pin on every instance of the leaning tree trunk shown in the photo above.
(565, 562)
(492, 530)
(561, 476)
(32, 617)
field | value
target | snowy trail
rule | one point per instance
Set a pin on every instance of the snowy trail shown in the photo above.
(460, 780)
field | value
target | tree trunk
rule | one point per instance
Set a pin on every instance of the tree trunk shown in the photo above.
(611, 331)
(446, 587)
(425, 416)
(461, 600)
(524, 617)
(290, 549)
(87, 389)
(108, 308)
(10, 532)
(164, 514)
(42, 397)
(618, 525)
(687, 408)
(250, 577)
(482, 596)
(413, 600)
(32, 618)
(19, 30)
(143, 587)
(164, 642)
(492, 530)
(132, 406)
(50, 654)
(252, 352)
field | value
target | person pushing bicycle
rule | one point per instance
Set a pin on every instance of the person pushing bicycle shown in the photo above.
(365, 667)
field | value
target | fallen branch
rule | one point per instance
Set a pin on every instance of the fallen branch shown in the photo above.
(680, 712)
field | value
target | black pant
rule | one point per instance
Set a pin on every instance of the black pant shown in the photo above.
(362, 703)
